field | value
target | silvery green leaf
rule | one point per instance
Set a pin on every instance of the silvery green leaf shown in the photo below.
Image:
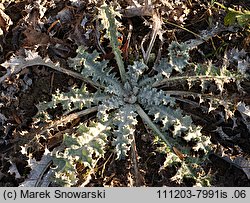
(178, 55)
(125, 120)
(135, 71)
(164, 67)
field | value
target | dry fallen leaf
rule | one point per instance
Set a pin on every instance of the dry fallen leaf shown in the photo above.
(5, 22)
(178, 153)
(33, 37)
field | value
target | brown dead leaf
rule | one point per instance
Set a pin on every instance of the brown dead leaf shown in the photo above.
(178, 153)
(17, 118)
(33, 37)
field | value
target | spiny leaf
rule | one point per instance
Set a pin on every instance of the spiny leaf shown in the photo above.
(89, 143)
(125, 120)
(108, 16)
(178, 55)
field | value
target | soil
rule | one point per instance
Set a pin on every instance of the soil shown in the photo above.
(22, 92)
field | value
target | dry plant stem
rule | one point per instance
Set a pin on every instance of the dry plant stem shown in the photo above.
(155, 31)
(141, 11)
(142, 48)
(183, 28)
(138, 179)
(51, 83)
(105, 163)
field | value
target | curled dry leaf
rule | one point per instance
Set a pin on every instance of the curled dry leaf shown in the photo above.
(5, 22)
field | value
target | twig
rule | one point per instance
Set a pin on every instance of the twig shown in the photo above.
(51, 82)
(156, 30)
(183, 28)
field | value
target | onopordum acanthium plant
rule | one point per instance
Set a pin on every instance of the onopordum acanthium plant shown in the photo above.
(125, 95)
